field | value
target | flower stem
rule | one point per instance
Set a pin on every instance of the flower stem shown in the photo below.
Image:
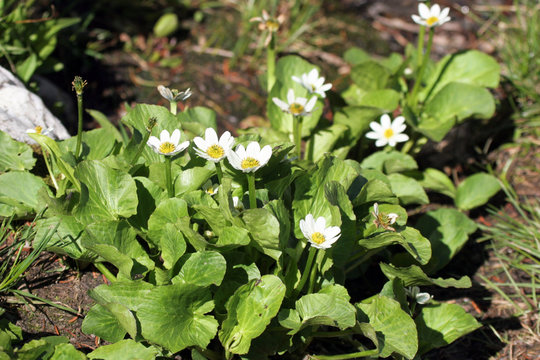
(307, 271)
(170, 185)
(173, 107)
(80, 124)
(219, 172)
(271, 64)
(141, 148)
(251, 189)
(297, 134)
(413, 99)
(356, 355)
(103, 269)
(420, 47)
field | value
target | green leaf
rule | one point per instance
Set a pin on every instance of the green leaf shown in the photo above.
(197, 119)
(436, 180)
(441, 324)
(169, 211)
(389, 162)
(453, 104)
(470, 67)
(357, 119)
(125, 349)
(213, 217)
(124, 292)
(414, 275)
(101, 322)
(149, 195)
(14, 155)
(232, 237)
(249, 312)
(395, 329)
(476, 190)
(191, 179)
(407, 189)
(67, 352)
(330, 306)
(355, 56)
(370, 75)
(264, 228)
(19, 193)
(105, 124)
(96, 144)
(409, 238)
(107, 194)
(448, 230)
(286, 68)
(172, 245)
(166, 25)
(115, 242)
(387, 100)
(202, 269)
(173, 316)
(310, 197)
(324, 140)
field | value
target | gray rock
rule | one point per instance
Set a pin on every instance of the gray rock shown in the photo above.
(21, 110)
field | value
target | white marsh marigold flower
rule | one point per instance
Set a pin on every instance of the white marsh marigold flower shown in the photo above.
(167, 144)
(212, 149)
(388, 131)
(313, 83)
(316, 232)
(384, 220)
(431, 17)
(296, 106)
(40, 130)
(249, 159)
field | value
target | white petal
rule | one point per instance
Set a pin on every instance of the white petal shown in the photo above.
(183, 145)
(265, 154)
(313, 74)
(224, 140)
(444, 14)
(175, 137)
(373, 135)
(164, 136)
(326, 87)
(392, 217)
(417, 19)
(311, 104)
(332, 232)
(376, 208)
(297, 79)
(210, 136)
(398, 120)
(253, 149)
(234, 160)
(401, 137)
(200, 143)
(320, 224)
(241, 151)
(381, 142)
(436, 10)
(375, 126)
(424, 11)
(290, 96)
(281, 104)
(386, 122)
(154, 142)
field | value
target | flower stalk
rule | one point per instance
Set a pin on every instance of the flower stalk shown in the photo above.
(414, 94)
(151, 123)
(49, 168)
(219, 172)
(251, 189)
(78, 86)
(271, 64)
(297, 134)
(307, 271)
(168, 177)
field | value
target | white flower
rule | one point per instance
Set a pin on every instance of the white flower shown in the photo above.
(266, 22)
(251, 158)
(167, 145)
(173, 94)
(419, 297)
(388, 131)
(316, 232)
(296, 106)
(237, 203)
(431, 17)
(209, 188)
(40, 130)
(211, 148)
(313, 83)
(384, 220)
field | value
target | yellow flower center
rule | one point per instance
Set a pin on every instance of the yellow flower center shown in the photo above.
(210, 191)
(38, 129)
(432, 20)
(166, 147)
(215, 151)
(388, 133)
(296, 109)
(249, 163)
(272, 25)
(317, 238)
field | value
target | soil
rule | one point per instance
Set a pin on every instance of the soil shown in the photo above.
(233, 92)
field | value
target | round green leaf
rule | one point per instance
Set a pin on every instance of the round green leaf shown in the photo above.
(476, 190)
(15, 155)
(126, 350)
(202, 269)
